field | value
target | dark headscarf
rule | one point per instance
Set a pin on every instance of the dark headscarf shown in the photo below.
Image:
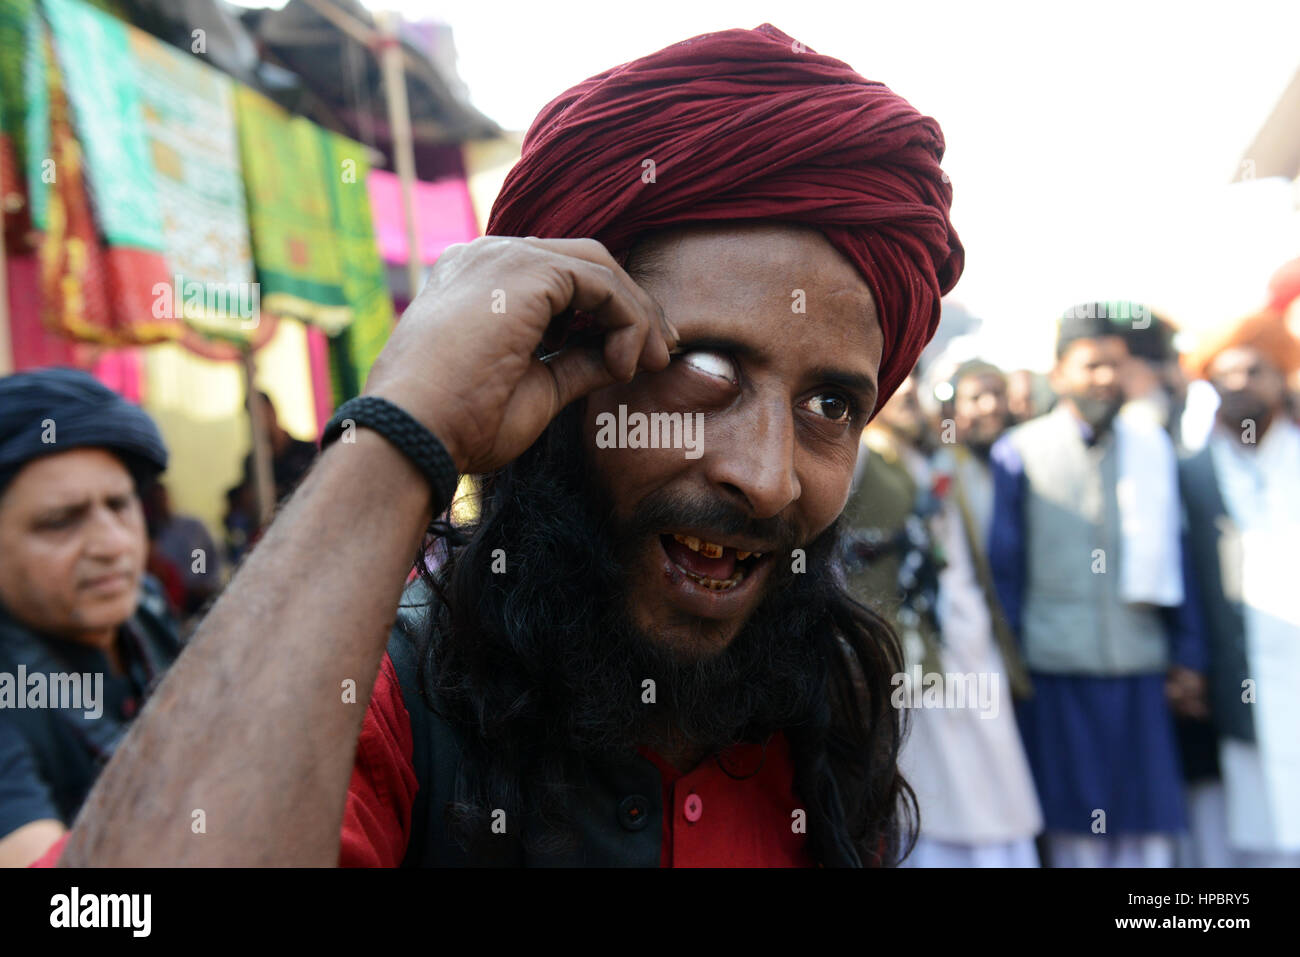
(750, 125)
(54, 410)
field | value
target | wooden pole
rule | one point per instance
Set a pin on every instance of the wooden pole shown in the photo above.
(399, 120)
(392, 62)
(263, 473)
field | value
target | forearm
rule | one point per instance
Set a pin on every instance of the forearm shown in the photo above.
(251, 725)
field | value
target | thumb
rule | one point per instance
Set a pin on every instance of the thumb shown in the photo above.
(578, 371)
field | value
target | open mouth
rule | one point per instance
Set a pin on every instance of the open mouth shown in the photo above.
(708, 564)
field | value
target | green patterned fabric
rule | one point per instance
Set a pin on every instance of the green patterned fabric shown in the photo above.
(188, 119)
(365, 281)
(16, 22)
(95, 56)
(290, 213)
(29, 60)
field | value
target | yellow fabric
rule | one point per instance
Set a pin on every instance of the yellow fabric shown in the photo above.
(199, 406)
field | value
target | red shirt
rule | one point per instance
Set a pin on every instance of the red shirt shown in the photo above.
(712, 818)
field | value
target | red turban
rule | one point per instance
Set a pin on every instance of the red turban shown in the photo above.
(1268, 330)
(750, 125)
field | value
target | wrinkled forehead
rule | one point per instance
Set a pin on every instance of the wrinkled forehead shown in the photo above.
(747, 273)
(65, 478)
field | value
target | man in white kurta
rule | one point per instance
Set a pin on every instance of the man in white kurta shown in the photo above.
(1241, 493)
(966, 764)
(1256, 457)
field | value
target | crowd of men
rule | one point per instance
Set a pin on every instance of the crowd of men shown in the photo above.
(1099, 624)
(1130, 586)
(1068, 640)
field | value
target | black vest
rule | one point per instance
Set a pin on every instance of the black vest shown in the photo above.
(1213, 539)
(618, 812)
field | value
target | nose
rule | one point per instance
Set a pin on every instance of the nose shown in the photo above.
(1235, 381)
(754, 458)
(1105, 375)
(111, 533)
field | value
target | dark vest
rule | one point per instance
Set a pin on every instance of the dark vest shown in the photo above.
(618, 812)
(1214, 541)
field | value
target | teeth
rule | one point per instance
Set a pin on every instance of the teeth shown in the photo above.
(714, 584)
(709, 549)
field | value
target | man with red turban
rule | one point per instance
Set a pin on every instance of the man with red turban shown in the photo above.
(1242, 495)
(709, 268)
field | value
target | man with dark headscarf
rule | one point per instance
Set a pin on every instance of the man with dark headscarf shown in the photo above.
(84, 633)
(638, 655)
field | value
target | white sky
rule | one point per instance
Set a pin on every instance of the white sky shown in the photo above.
(1089, 145)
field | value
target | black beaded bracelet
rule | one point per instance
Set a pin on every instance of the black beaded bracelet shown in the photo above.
(412, 439)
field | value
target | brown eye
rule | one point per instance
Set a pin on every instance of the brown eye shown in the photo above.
(714, 364)
(834, 407)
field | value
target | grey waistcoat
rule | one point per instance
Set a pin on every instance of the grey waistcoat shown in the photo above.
(1073, 619)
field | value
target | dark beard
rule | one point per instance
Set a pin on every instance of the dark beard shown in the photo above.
(980, 448)
(765, 678)
(1097, 413)
(542, 668)
(1235, 408)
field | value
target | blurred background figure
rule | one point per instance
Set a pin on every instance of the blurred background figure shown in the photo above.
(1029, 395)
(74, 596)
(181, 544)
(1242, 495)
(290, 460)
(980, 414)
(290, 457)
(912, 553)
(1152, 378)
(1085, 550)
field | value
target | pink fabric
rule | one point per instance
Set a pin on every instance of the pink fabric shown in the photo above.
(34, 346)
(322, 390)
(121, 370)
(443, 213)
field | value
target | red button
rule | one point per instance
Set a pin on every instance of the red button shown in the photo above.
(693, 807)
